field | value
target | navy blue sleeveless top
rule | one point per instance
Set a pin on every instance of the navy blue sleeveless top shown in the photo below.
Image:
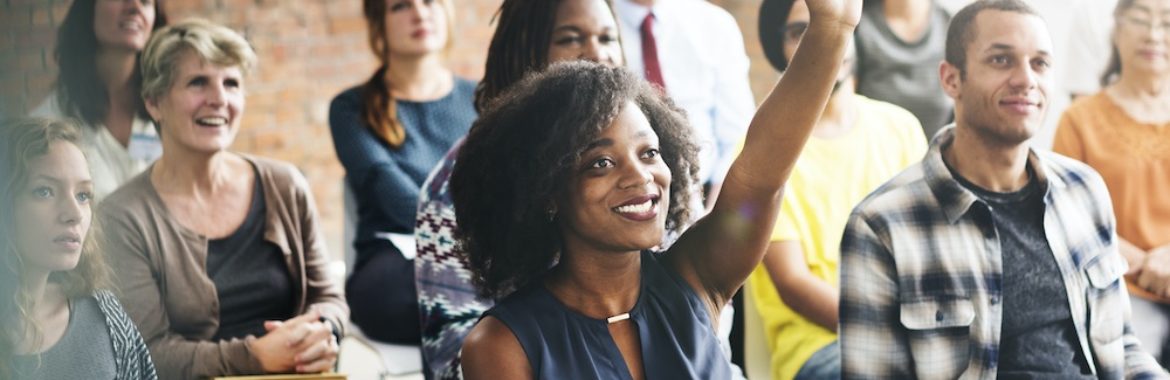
(672, 322)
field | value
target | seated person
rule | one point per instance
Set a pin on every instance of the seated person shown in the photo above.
(857, 145)
(58, 318)
(98, 84)
(217, 253)
(557, 30)
(388, 133)
(570, 180)
(989, 259)
(1120, 132)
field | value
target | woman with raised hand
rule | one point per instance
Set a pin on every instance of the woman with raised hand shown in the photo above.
(58, 317)
(98, 83)
(1122, 132)
(570, 180)
(529, 35)
(217, 253)
(389, 132)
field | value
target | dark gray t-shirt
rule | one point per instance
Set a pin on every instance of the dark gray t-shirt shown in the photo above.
(1039, 338)
(84, 352)
(904, 73)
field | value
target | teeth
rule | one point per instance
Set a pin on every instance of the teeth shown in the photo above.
(129, 25)
(212, 121)
(636, 209)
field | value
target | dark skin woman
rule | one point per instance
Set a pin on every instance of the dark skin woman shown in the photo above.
(577, 171)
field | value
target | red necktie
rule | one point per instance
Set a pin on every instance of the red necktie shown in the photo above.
(650, 53)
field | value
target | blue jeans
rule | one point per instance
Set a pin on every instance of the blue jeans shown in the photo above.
(823, 364)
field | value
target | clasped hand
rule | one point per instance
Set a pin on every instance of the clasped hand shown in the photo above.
(303, 344)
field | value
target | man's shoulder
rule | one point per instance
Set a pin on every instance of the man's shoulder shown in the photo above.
(1070, 171)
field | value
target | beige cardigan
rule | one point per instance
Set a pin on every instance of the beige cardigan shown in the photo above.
(160, 269)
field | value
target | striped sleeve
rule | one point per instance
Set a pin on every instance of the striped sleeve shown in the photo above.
(131, 356)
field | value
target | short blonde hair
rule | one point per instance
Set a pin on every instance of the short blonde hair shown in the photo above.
(213, 42)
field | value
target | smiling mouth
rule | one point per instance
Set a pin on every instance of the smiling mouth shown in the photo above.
(216, 121)
(130, 25)
(639, 209)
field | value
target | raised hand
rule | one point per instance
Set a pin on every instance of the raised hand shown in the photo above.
(846, 12)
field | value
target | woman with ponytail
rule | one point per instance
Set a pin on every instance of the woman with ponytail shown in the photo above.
(389, 132)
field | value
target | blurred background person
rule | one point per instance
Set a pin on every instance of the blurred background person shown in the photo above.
(217, 253)
(1124, 133)
(389, 132)
(98, 83)
(899, 48)
(857, 145)
(58, 316)
(529, 35)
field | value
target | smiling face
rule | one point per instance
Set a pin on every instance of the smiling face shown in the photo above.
(618, 197)
(585, 29)
(201, 111)
(415, 27)
(1141, 36)
(123, 24)
(1003, 93)
(53, 208)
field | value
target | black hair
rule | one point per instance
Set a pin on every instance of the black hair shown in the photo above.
(522, 152)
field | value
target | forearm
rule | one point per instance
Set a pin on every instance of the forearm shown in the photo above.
(812, 298)
(787, 115)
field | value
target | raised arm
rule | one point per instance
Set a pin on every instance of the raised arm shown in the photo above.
(717, 254)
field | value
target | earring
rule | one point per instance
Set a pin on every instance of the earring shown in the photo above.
(552, 213)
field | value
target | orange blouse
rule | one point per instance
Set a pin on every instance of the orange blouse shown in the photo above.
(1134, 160)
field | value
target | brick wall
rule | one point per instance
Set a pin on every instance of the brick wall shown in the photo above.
(309, 50)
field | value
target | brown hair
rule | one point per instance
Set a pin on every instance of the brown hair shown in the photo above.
(1113, 70)
(380, 110)
(21, 141)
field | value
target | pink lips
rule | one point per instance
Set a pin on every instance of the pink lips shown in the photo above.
(1019, 105)
(69, 240)
(639, 209)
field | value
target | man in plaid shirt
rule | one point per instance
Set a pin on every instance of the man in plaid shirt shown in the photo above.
(989, 259)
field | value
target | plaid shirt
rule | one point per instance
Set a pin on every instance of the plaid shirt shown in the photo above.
(922, 275)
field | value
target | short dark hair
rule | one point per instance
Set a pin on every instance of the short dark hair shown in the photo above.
(519, 45)
(962, 31)
(80, 90)
(522, 152)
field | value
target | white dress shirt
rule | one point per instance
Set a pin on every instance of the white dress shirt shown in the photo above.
(705, 70)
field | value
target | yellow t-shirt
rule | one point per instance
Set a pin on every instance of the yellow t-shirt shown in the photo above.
(830, 178)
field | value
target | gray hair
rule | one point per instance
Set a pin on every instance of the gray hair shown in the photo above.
(212, 42)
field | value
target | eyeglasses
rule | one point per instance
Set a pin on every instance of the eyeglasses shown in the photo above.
(1147, 25)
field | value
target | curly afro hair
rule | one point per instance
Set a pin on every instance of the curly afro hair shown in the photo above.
(521, 154)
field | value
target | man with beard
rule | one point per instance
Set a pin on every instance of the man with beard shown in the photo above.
(989, 259)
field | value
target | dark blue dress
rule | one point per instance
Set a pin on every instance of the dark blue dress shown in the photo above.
(672, 322)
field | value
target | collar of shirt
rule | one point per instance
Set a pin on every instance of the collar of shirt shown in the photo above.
(954, 199)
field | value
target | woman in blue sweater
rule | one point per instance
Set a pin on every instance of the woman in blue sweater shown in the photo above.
(389, 132)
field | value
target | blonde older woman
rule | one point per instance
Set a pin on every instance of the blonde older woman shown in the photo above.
(217, 253)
